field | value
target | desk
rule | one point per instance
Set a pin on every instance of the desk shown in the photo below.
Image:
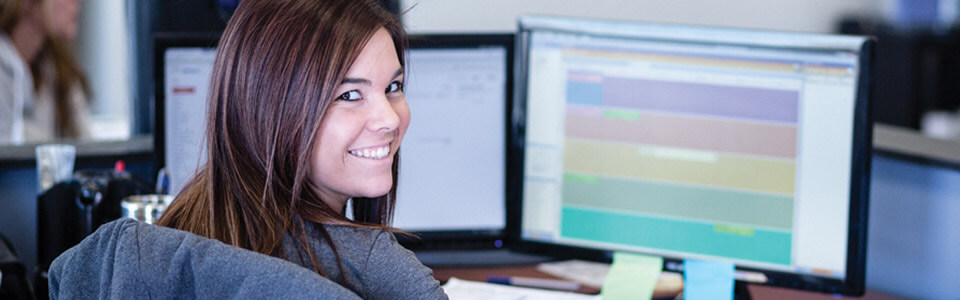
(757, 292)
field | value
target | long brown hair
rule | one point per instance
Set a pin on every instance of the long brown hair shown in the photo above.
(9, 14)
(277, 65)
(66, 72)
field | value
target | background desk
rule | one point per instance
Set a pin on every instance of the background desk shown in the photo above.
(18, 183)
(757, 292)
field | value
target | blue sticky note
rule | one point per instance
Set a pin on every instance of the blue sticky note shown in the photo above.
(707, 279)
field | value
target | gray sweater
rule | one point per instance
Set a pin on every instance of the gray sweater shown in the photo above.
(376, 266)
(126, 259)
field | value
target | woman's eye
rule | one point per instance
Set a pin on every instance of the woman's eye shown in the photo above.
(353, 95)
(395, 87)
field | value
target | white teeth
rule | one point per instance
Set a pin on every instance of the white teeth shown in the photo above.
(377, 153)
(382, 152)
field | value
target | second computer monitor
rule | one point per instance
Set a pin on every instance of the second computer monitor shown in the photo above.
(453, 159)
(686, 142)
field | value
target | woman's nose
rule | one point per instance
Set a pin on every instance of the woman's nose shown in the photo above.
(383, 116)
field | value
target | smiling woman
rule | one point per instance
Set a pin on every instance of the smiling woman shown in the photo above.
(306, 111)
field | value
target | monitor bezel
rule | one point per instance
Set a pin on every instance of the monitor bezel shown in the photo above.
(854, 281)
(470, 238)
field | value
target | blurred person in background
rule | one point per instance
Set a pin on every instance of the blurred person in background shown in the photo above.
(43, 92)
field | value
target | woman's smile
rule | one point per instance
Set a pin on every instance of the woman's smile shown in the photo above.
(374, 152)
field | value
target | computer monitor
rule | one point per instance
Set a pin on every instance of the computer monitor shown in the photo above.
(183, 64)
(696, 143)
(452, 182)
(453, 163)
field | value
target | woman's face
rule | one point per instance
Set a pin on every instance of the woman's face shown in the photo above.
(61, 18)
(363, 127)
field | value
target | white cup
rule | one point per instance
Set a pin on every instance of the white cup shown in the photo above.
(54, 164)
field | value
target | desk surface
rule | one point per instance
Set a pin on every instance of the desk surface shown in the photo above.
(756, 292)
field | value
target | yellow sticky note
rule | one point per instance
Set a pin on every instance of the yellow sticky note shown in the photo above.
(632, 276)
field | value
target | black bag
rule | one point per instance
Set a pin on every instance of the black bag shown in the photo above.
(71, 210)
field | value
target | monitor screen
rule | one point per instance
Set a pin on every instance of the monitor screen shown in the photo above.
(453, 159)
(686, 142)
(452, 180)
(186, 79)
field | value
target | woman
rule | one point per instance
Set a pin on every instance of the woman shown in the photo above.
(307, 111)
(42, 89)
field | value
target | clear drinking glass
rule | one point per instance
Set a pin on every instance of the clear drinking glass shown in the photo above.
(54, 164)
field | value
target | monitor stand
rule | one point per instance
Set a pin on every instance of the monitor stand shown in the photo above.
(477, 258)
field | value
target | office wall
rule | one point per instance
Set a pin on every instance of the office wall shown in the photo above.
(500, 15)
(914, 232)
(18, 211)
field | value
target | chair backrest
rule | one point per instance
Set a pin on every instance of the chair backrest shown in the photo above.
(174, 264)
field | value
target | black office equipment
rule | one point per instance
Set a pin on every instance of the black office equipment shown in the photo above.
(917, 70)
(71, 210)
(691, 142)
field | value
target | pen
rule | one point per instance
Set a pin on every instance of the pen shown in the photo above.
(536, 282)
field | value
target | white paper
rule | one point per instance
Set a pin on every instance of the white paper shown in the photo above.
(592, 274)
(458, 289)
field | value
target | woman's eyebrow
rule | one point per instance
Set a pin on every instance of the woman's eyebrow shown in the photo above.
(365, 81)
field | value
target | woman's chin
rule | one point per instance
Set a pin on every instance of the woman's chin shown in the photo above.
(375, 190)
